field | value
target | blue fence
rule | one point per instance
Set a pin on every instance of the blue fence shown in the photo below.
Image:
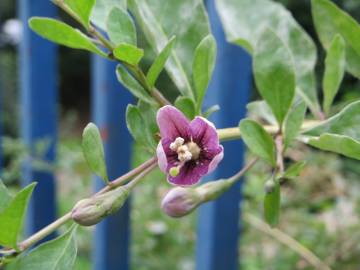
(218, 225)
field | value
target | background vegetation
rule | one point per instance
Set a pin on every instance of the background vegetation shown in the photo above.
(321, 209)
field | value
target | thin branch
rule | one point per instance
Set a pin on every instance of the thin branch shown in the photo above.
(124, 178)
(233, 133)
(138, 173)
(285, 239)
(236, 177)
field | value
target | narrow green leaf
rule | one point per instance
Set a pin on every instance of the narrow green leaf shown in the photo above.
(63, 34)
(82, 8)
(57, 254)
(294, 170)
(334, 71)
(5, 197)
(339, 134)
(274, 73)
(12, 217)
(133, 86)
(340, 144)
(128, 53)
(244, 21)
(346, 122)
(330, 20)
(159, 62)
(120, 27)
(258, 140)
(186, 105)
(293, 122)
(272, 205)
(93, 151)
(148, 113)
(136, 125)
(102, 9)
(203, 67)
(211, 110)
(185, 19)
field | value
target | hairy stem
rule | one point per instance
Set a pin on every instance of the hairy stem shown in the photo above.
(285, 239)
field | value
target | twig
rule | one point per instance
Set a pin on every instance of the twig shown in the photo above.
(233, 133)
(285, 239)
(244, 170)
(139, 172)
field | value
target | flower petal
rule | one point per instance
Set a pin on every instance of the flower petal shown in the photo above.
(162, 160)
(216, 160)
(190, 174)
(204, 134)
(172, 123)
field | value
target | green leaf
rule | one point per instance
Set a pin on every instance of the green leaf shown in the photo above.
(293, 122)
(186, 105)
(159, 62)
(340, 144)
(120, 27)
(294, 170)
(244, 21)
(133, 86)
(128, 53)
(334, 71)
(57, 254)
(12, 217)
(339, 134)
(346, 122)
(330, 20)
(5, 197)
(102, 9)
(258, 140)
(261, 109)
(63, 34)
(274, 73)
(272, 205)
(187, 20)
(93, 151)
(82, 8)
(148, 113)
(203, 67)
(137, 126)
(211, 110)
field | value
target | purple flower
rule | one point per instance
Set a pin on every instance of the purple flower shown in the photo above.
(187, 150)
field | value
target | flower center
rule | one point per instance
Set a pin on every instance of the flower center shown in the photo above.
(186, 152)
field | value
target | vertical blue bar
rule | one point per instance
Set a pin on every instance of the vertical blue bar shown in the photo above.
(109, 101)
(38, 103)
(218, 223)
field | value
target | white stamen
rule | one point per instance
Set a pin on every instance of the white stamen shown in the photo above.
(185, 152)
(177, 143)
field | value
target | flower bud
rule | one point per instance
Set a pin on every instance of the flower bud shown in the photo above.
(91, 211)
(212, 190)
(269, 186)
(180, 201)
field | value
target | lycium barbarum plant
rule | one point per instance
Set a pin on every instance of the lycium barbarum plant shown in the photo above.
(185, 145)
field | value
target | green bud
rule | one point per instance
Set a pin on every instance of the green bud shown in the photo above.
(269, 186)
(213, 190)
(91, 211)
